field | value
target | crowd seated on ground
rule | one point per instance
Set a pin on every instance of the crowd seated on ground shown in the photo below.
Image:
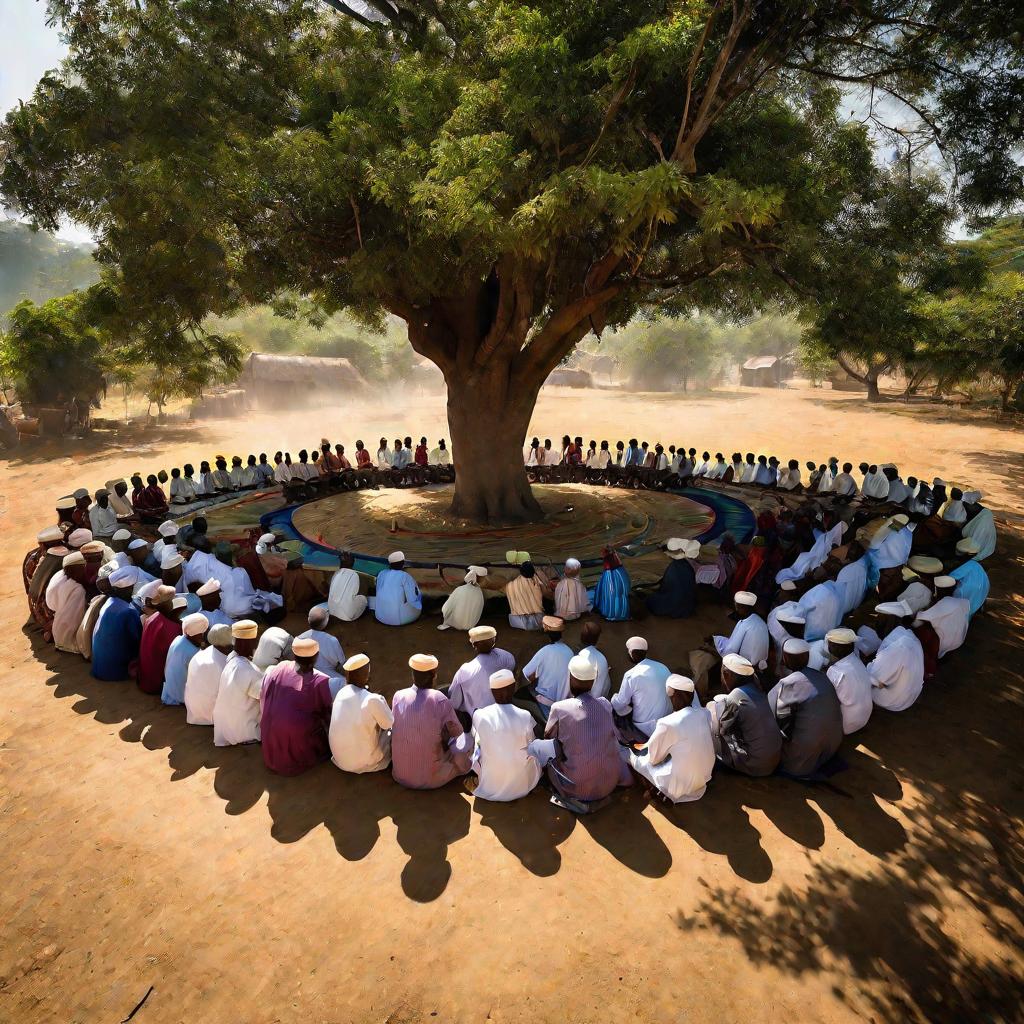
(845, 600)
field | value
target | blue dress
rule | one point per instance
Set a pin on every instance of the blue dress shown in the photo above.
(115, 640)
(611, 595)
(179, 654)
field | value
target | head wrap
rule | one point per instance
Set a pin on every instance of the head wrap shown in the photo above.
(582, 668)
(169, 557)
(572, 565)
(924, 563)
(211, 586)
(80, 493)
(502, 678)
(945, 581)
(967, 546)
(50, 535)
(356, 661)
(796, 646)
(636, 643)
(122, 534)
(74, 558)
(676, 547)
(681, 684)
(423, 662)
(93, 547)
(244, 629)
(76, 538)
(738, 665)
(841, 635)
(163, 593)
(194, 624)
(478, 633)
(179, 602)
(395, 557)
(745, 598)
(305, 647)
(220, 634)
(552, 624)
(899, 609)
(168, 528)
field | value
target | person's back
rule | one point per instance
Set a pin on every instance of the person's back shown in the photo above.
(897, 671)
(810, 717)
(684, 750)
(585, 730)
(115, 639)
(643, 692)
(202, 684)
(676, 596)
(358, 731)
(295, 702)
(236, 712)
(506, 771)
(751, 740)
(424, 721)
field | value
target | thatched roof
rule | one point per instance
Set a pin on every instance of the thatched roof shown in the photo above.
(266, 368)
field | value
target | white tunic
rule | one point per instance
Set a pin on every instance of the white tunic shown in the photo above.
(344, 600)
(897, 671)
(949, 617)
(236, 713)
(66, 599)
(331, 656)
(603, 681)
(844, 485)
(917, 596)
(358, 734)
(749, 472)
(680, 755)
(822, 606)
(749, 638)
(551, 667)
(853, 579)
(571, 600)
(202, 684)
(852, 682)
(464, 607)
(875, 485)
(643, 692)
(502, 761)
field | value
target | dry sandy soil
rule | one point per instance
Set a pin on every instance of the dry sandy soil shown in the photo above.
(136, 854)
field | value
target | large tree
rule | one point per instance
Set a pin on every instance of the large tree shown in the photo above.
(504, 177)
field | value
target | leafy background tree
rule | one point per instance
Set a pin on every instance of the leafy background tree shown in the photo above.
(504, 178)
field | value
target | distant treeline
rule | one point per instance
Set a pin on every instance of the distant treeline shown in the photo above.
(35, 265)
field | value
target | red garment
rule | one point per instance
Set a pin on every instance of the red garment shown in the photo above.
(343, 462)
(253, 567)
(748, 568)
(28, 566)
(330, 463)
(362, 458)
(158, 633)
(295, 710)
(80, 517)
(573, 456)
(150, 499)
(929, 640)
(611, 559)
(422, 457)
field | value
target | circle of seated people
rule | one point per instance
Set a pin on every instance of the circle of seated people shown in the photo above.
(775, 691)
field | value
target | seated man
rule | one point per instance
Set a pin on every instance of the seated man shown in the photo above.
(972, 582)
(470, 687)
(330, 656)
(295, 708)
(749, 637)
(748, 737)
(102, 518)
(236, 712)
(586, 767)
(464, 607)
(158, 633)
(429, 747)
(441, 463)
(66, 600)
(676, 595)
(897, 669)
(571, 599)
(851, 679)
(151, 503)
(209, 597)
(920, 573)
(364, 474)
(525, 596)
(546, 672)
(808, 714)
(641, 699)
(398, 601)
(118, 630)
(949, 616)
(344, 601)
(360, 729)
(202, 681)
(179, 656)
(183, 491)
(680, 755)
(503, 734)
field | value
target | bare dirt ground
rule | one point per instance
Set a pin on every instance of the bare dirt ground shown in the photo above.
(136, 854)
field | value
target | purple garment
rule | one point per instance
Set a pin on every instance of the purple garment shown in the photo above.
(589, 748)
(471, 685)
(295, 709)
(423, 753)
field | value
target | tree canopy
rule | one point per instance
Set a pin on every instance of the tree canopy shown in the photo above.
(504, 177)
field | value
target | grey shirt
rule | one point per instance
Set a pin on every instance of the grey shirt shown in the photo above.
(750, 738)
(810, 719)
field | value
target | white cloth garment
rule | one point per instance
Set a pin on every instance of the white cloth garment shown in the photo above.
(344, 601)
(83, 638)
(331, 656)
(603, 681)
(464, 607)
(749, 472)
(359, 733)
(875, 485)
(917, 596)
(643, 692)
(103, 522)
(777, 631)
(982, 530)
(852, 683)
(954, 512)
(203, 566)
(202, 684)
(236, 712)
(891, 548)
(680, 754)
(844, 485)
(749, 638)
(501, 759)
(66, 599)
(551, 666)
(897, 671)
(853, 579)
(808, 561)
(571, 600)
(822, 608)
(949, 617)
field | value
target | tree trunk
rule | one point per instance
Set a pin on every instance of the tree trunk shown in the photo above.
(488, 419)
(874, 395)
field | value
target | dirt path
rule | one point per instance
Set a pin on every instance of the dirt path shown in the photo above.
(137, 854)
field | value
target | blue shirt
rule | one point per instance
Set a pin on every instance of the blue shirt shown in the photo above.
(115, 640)
(179, 654)
(634, 456)
(398, 598)
(972, 584)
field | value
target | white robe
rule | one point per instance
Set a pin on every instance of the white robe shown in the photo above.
(571, 600)
(344, 601)
(642, 693)
(852, 683)
(954, 512)
(236, 713)
(949, 617)
(66, 599)
(844, 485)
(875, 485)
(501, 759)
(749, 472)
(808, 561)
(749, 639)
(202, 684)
(603, 682)
(853, 578)
(331, 656)
(464, 607)
(891, 548)
(777, 631)
(680, 754)
(822, 606)
(359, 733)
(897, 671)
(917, 596)
(982, 530)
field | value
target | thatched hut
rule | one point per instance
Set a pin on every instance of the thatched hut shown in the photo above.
(280, 380)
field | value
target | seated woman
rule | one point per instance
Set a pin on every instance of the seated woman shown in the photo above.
(150, 503)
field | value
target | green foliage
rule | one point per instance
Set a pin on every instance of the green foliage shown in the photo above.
(52, 352)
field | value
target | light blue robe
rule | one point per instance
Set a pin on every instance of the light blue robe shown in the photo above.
(972, 584)
(398, 600)
(179, 654)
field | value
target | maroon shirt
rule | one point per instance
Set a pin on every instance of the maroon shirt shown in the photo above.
(295, 710)
(158, 633)
(589, 742)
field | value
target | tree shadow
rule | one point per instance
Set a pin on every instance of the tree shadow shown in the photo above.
(128, 441)
(1008, 466)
